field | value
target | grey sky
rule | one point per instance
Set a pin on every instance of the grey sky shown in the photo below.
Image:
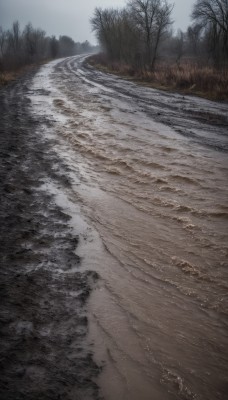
(71, 17)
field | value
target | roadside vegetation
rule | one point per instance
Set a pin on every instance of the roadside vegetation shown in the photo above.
(21, 49)
(138, 42)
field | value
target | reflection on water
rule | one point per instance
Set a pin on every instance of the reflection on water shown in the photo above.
(155, 193)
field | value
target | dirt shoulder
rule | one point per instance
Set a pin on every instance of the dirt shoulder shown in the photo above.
(185, 80)
(43, 319)
(9, 77)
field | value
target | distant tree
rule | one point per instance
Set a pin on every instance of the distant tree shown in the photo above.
(3, 43)
(194, 37)
(14, 40)
(3, 40)
(66, 46)
(11, 44)
(179, 46)
(34, 42)
(19, 48)
(85, 47)
(54, 47)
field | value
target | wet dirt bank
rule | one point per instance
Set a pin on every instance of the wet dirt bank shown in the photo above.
(43, 322)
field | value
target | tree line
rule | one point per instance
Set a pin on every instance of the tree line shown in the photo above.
(31, 45)
(141, 33)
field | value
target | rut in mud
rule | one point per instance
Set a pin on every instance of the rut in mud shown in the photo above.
(142, 176)
(42, 314)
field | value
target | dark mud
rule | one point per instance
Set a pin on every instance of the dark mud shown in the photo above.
(43, 319)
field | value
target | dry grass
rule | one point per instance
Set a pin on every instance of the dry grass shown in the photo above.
(9, 76)
(6, 77)
(190, 78)
(187, 78)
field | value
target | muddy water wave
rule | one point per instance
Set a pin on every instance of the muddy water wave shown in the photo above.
(149, 170)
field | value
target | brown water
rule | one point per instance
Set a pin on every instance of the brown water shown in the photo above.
(149, 172)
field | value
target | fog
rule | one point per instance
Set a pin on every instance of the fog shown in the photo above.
(71, 17)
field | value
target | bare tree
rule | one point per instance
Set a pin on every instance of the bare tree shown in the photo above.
(3, 39)
(212, 15)
(85, 47)
(131, 41)
(152, 17)
(54, 46)
(144, 15)
(66, 46)
(34, 42)
(105, 24)
(14, 38)
(179, 47)
(193, 36)
(163, 21)
(134, 33)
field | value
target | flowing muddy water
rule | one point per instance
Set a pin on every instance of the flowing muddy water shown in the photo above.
(149, 173)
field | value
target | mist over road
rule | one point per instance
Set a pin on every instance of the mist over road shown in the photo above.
(142, 174)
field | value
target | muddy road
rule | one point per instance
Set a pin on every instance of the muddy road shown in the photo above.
(114, 239)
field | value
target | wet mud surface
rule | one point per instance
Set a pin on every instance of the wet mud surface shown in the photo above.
(149, 170)
(43, 320)
(105, 178)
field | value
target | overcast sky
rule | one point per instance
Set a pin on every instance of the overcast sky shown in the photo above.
(71, 17)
